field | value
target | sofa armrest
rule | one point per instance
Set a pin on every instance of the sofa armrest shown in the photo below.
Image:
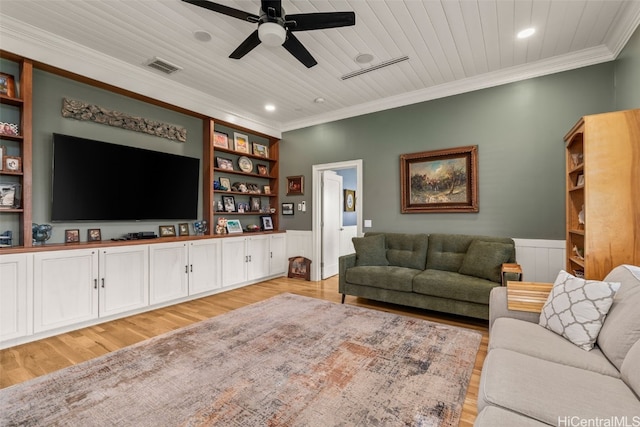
(498, 307)
(344, 263)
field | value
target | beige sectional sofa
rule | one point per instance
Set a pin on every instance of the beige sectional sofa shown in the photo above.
(535, 377)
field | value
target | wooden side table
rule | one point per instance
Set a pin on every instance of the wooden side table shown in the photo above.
(510, 268)
(527, 296)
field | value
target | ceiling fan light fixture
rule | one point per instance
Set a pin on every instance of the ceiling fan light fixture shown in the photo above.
(272, 34)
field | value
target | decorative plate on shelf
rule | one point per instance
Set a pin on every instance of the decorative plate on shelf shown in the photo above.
(245, 164)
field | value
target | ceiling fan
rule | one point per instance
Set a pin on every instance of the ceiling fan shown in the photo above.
(275, 28)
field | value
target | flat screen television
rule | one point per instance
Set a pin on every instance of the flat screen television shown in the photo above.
(100, 181)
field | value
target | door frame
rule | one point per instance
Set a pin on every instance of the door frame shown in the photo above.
(316, 214)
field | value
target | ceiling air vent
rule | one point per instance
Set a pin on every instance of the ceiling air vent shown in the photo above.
(164, 66)
(374, 67)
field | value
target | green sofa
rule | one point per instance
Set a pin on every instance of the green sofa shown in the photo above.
(451, 273)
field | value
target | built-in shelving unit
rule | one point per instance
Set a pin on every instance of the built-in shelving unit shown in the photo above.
(602, 187)
(16, 109)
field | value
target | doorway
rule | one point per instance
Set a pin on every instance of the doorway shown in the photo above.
(317, 171)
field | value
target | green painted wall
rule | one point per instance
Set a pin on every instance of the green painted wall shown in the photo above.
(48, 91)
(627, 74)
(519, 130)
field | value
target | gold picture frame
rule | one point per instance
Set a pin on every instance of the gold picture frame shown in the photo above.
(167, 231)
(295, 185)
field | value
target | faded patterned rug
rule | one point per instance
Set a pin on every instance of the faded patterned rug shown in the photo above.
(286, 361)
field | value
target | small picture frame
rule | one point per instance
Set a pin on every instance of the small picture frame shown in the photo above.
(183, 229)
(299, 267)
(229, 203)
(167, 231)
(295, 185)
(240, 142)
(262, 170)
(233, 226)
(349, 200)
(12, 164)
(220, 140)
(7, 85)
(224, 163)
(267, 223)
(287, 209)
(219, 206)
(260, 150)
(10, 195)
(94, 235)
(580, 180)
(3, 152)
(266, 189)
(72, 236)
(225, 182)
(255, 203)
(9, 129)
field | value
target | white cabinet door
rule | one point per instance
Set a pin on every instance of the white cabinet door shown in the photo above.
(234, 261)
(16, 296)
(168, 272)
(65, 288)
(278, 247)
(259, 257)
(124, 279)
(205, 262)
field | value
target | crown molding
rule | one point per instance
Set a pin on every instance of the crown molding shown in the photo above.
(41, 46)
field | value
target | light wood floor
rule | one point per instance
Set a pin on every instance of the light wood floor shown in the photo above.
(23, 362)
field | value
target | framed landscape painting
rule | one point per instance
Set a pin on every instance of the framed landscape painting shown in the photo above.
(440, 180)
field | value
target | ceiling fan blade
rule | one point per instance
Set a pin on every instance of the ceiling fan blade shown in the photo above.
(275, 4)
(319, 21)
(247, 45)
(293, 45)
(225, 10)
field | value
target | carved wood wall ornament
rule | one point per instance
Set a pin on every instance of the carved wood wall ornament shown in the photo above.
(74, 109)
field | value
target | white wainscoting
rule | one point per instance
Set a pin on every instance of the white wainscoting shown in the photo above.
(300, 243)
(541, 260)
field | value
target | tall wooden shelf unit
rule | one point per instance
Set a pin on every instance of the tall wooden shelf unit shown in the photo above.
(212, 173)
(18, 220)
(603, 193)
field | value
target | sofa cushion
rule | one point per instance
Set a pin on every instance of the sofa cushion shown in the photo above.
(534, 340)
(390, 277)
(446, 251)
(576, 308)
(550, 392)
(370, 250)
(485, 259)
(456, 286)
(492, 416)
(406, 250)
(630, 372)
(621, 328)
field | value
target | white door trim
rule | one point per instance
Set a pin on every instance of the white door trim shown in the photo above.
(316, 214)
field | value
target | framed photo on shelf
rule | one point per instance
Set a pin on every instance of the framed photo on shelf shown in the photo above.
(255, 204)
(287, 209)
(167, 231)
(72, 236)
(229, 203)
(3, 152)
(10, 129)
(225, 182)
(10, 195)
(295, 185)
(12, 164)
(7, 85)
(240, 142)
(260, 150)
(440, 181)
(224, 163)
(262, 170)
(580, 180)
(220, 140)
(233, 226)
(183, 229)
(266, 189)
(94, 235)
(267, 223)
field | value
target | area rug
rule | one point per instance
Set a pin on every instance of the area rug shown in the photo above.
(286, 361)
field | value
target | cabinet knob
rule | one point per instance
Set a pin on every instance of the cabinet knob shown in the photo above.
(186, 269)
(95, 283)
(103, 283)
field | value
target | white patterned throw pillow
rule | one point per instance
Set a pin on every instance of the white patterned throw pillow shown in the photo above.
(576, 308)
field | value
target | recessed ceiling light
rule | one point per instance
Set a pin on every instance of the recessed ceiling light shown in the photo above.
(270, 107)
(364, 58)
(528, 32)
(202, 36)
(319, 100)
